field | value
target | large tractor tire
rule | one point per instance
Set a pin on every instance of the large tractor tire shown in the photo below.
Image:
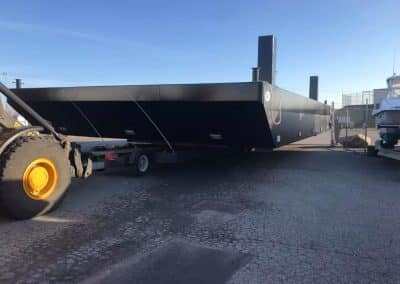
(35, 174)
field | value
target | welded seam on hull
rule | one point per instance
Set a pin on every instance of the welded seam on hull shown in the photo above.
(88, 121)
(154, 124)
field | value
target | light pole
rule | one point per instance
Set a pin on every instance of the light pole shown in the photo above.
(4, 74)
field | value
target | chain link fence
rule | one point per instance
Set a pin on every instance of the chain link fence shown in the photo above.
(357, 98)
(354, 123)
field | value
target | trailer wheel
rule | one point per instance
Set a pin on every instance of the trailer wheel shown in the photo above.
(143, 163)
(372, 151)
(35, 174)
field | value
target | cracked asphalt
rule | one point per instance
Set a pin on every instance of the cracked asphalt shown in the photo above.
(303, 213)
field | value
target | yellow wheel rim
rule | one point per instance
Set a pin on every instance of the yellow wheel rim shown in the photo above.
(40, 179)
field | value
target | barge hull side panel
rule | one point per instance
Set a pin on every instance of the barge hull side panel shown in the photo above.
(292, 117)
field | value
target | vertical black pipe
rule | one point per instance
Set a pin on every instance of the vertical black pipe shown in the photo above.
(267, 58)
(255, 74)
(18, 83)
(313, 88)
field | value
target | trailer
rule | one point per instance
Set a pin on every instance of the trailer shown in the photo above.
(380, 149)
(37, 163)
(159, 122)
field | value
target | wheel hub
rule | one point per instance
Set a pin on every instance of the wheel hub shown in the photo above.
(40, 179)
(143, 163)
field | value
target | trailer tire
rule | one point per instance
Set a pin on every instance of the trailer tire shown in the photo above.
(372, 151)
(35, 175)
(143, 163)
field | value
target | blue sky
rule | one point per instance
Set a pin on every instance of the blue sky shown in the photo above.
(349, 44)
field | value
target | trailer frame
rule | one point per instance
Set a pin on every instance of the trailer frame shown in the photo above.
(387, 152)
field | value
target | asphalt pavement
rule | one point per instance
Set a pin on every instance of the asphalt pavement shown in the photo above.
(303, 213)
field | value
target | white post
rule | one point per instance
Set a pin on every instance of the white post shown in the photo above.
(366, 125)
(333, 126)
(347, 121)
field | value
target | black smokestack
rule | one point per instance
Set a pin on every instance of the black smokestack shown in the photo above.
(266, 58)
(314, 88)
(18, 83)
(255, 74)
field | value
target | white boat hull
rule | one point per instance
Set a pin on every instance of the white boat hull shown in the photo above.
(387, 116)
(388, 123)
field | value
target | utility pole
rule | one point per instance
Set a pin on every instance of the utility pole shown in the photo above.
(347, 121)
(333, 125)
(4, 74)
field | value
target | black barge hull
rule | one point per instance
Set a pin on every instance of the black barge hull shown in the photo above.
(237, 115)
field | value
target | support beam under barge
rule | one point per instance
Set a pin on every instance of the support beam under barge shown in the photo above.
(237, 115)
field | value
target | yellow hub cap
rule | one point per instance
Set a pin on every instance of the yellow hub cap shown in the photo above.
(40, 179)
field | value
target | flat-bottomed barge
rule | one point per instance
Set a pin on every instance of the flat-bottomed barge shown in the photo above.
(244, 115)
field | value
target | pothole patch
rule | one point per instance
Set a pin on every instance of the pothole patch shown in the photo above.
(231, 208)
(213, 217)
(177, 262)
